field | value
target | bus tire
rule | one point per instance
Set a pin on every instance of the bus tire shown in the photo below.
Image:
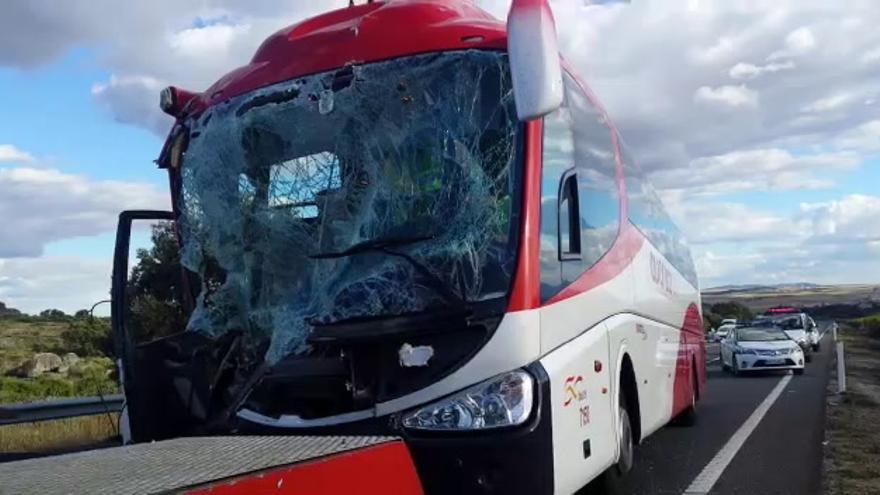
(612, 480)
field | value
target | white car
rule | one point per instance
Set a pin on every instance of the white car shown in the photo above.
(799, 326)
(761, 348)
(723, 331)
(729, 321)
(813, 334)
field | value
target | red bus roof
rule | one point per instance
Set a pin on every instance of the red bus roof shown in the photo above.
(359, 34)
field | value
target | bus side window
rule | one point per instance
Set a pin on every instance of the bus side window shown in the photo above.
(580, 205)
(557, 209)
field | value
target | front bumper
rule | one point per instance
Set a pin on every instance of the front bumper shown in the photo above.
(748, 362)
(517, 460)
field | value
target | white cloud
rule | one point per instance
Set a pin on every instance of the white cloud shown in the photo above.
(9, 153)
(134, 100)
(853, 218)
(214, 41)
(800, 40)
(865, 138)
(744, 70)
(66, 283)
(41, 205)
(705, 223)
(754, 170)
(829, 103)
(734, 96)
(826, 242)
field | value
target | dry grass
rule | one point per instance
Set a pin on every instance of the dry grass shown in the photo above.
(57, 435)
(853, 439)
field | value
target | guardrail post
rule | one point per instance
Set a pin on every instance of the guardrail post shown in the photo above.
(834, 330)
(841, 370)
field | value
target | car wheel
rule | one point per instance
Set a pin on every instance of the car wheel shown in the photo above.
(735, 367)
(799, 371)
(808, 357)
(815, 347)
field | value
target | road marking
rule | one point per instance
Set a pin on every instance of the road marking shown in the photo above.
(710, 474)
(713, 360)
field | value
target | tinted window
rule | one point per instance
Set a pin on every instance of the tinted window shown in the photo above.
(580, 206)
(648, 214)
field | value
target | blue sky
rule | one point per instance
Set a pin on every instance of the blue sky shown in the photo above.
(765, 149)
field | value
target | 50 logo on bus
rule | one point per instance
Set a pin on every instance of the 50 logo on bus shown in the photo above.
(661, 274)
(574, 392)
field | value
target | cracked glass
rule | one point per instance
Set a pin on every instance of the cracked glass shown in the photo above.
(382, 189)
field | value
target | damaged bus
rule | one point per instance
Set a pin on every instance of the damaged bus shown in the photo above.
(408, 218)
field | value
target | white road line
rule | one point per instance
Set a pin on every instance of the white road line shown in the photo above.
(713, 360)
(710, 474)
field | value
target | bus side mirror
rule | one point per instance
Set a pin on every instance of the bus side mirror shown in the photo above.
(535, 66)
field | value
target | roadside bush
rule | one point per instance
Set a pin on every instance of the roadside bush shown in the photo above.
(869, 324)
(151, 318)
(88, 337)
(731, 309)
(92, 376)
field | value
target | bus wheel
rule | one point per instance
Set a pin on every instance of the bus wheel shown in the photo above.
(627, 455)
(613, 480)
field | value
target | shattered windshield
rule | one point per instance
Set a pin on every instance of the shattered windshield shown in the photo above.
(373, 190)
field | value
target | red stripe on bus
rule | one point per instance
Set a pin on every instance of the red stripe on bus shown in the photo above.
(380, 469)
(691, 353)
(527, 281)
(620, 256)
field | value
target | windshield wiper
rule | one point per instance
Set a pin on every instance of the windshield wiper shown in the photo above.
(383, 245)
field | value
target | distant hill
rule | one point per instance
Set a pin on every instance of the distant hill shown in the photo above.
(863, 297)
(762, 287)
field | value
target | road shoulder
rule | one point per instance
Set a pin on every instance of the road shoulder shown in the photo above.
(852, 439)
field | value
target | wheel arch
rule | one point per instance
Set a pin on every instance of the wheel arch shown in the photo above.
(630, 392)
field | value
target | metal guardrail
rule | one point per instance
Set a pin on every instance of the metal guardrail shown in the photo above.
(47, 410)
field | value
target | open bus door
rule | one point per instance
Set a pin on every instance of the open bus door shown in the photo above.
(162, 399)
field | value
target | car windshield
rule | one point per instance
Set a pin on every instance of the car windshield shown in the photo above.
(787, 322)
(762, 334)
(381, 189)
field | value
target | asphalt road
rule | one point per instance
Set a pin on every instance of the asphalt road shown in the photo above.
(782, 455)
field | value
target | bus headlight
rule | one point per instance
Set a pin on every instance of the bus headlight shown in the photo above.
(505, 400)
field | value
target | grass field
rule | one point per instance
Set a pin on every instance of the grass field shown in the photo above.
(19, 340)
(57, 435)
(92, 375)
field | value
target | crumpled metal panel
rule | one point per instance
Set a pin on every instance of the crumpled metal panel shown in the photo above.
(170, 465)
